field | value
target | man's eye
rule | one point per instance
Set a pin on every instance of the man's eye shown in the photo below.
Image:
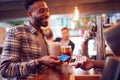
(42, 10)
(47, 10)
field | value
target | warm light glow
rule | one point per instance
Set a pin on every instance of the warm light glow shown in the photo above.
(76, 14)
(104, 15)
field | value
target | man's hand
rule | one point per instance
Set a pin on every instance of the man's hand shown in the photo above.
(49, 60)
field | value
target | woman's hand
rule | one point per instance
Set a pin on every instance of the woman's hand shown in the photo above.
(83, 62)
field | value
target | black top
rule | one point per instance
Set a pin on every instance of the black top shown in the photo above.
(70, 43)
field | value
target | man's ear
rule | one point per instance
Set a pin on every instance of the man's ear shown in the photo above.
(30, 14)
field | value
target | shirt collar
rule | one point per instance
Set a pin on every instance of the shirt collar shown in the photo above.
(31, 27)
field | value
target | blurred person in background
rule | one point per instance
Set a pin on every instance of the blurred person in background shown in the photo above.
(65, 40)
(25, 53)
(54, 47)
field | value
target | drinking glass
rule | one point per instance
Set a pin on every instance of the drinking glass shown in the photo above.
(66, 50)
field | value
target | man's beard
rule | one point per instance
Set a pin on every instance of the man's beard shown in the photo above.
(41, 22)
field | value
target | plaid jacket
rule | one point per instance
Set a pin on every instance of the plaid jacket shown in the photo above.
(21, 47)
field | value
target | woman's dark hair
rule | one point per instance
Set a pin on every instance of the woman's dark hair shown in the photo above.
(112, 37)
(28, 3)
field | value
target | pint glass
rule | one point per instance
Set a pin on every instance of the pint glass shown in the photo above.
(66, 50)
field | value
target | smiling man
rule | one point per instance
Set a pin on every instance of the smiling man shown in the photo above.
(25, 53)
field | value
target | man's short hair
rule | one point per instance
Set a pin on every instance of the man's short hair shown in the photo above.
(28, 3)
(65, 28)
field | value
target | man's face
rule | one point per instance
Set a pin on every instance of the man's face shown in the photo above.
(40, 14)
(65, 34)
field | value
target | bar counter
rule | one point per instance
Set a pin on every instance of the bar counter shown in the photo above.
(79, 74)
(66, 72)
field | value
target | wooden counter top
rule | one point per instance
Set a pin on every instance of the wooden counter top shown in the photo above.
(66, 72)
(85, 77)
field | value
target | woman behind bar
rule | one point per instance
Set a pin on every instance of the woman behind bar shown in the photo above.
(112, 37)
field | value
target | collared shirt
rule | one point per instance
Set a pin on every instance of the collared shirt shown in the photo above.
(21, 47)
